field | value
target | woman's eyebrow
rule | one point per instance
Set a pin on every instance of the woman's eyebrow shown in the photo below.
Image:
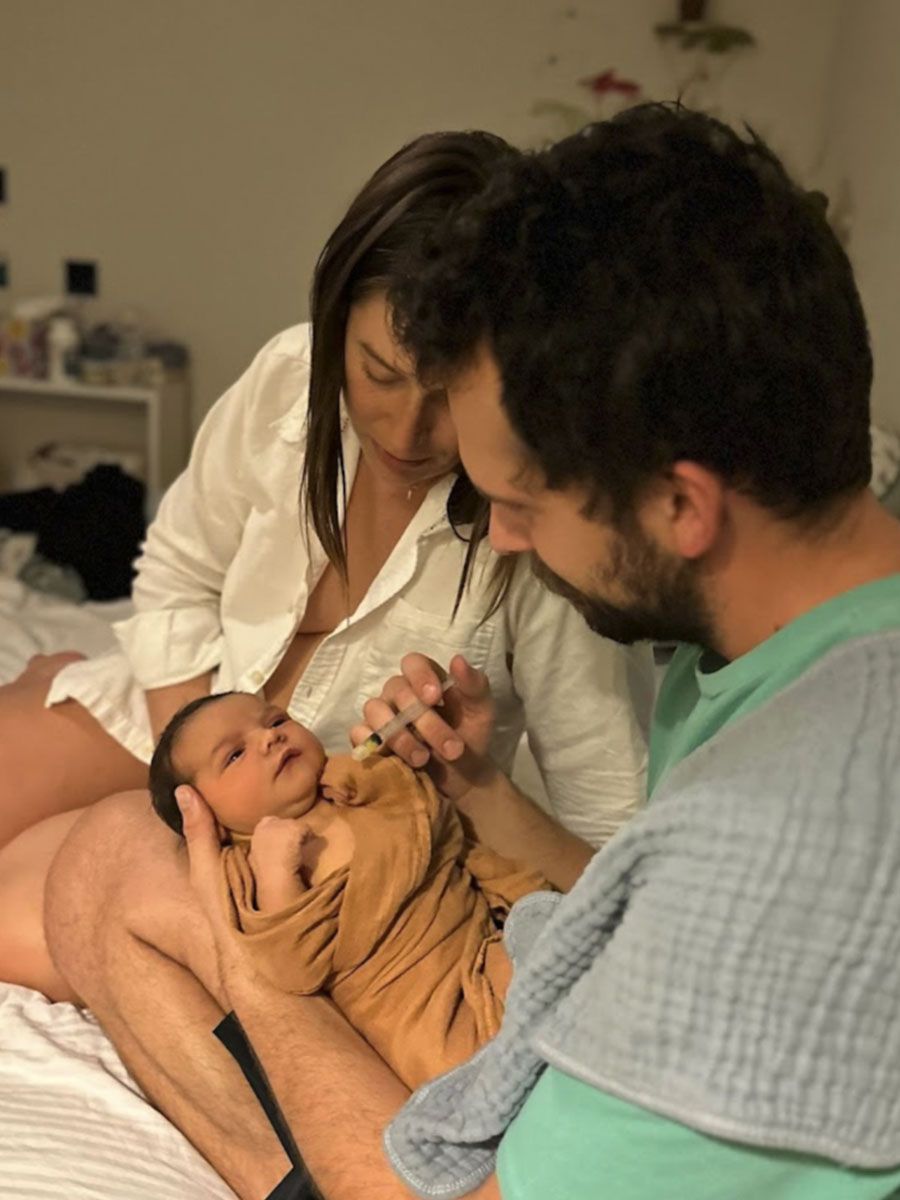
(387, 366)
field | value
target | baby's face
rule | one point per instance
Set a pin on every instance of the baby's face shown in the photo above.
(249, 760)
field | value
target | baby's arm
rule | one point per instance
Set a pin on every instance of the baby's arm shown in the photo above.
(276, 860)
(288, 855)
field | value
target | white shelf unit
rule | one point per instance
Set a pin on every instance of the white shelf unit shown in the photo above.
(153, 421)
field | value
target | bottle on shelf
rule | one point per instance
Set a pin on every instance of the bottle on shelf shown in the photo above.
(62, 350)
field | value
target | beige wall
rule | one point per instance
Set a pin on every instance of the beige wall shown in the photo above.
(201, 150)
(863, 166)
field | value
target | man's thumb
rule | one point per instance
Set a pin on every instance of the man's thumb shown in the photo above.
(187, 806)
(472, 684)
(199, 827)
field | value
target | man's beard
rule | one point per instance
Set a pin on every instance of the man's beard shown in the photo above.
(666, 603)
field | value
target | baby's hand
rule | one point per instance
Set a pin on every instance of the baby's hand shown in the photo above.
(276, 855)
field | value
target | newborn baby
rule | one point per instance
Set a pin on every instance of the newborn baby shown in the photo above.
(387, 906)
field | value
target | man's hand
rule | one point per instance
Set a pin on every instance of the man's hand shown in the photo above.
(451, 740)
(204, 847)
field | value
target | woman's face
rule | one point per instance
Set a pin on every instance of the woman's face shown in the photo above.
(405, 431)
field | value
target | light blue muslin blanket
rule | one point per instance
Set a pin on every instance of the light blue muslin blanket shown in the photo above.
(731, 959)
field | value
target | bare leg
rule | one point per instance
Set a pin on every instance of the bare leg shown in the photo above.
(123, 929)
(24, 864)
(54, 759)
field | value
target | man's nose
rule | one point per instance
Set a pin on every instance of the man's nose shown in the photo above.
(503, 538)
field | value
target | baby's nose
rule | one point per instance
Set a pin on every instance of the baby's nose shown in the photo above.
(272, 737)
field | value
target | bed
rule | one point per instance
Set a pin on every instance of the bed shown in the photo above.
(73, 1122)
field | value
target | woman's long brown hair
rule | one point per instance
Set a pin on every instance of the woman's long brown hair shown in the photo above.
(405, 199)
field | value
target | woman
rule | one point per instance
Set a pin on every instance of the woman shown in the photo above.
(234, 592)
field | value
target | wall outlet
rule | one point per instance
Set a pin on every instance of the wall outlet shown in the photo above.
(81, 277)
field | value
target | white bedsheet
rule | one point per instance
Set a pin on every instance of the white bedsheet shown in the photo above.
(32, 623)
(74, 1124)
(72, 1121)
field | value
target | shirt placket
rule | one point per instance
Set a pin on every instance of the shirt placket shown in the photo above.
(328, 658)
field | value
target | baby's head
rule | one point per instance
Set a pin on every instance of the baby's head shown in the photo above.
(245, 757)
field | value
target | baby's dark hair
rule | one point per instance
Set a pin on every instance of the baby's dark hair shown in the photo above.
(164, 777)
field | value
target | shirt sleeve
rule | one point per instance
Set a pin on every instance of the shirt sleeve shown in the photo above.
(176, 632)
(571, 1140)
(587, 704)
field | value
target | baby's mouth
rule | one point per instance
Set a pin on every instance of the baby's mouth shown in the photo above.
(286, 757)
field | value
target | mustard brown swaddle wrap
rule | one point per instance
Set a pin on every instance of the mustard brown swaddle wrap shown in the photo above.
(404, 937)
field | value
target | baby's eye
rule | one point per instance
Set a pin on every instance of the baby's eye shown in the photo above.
(279, 720)
(234, 756)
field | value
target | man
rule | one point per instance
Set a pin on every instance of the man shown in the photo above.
(658, 367)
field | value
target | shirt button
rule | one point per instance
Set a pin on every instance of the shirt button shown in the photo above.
(256, 676)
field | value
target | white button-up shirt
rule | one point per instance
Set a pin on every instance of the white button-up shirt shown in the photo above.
(227, 569)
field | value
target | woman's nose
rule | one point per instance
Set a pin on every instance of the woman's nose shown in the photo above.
(415, 422)
(411, 434)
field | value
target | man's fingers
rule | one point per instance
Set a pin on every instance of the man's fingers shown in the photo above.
(423, 677)
(404, 744)
(431, 731)
(203, 845)
(471, 684)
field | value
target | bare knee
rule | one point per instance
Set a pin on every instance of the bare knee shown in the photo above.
(24, 864)
(120, 875)
(83, 893)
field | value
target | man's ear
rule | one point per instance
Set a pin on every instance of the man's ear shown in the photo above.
(696, 508)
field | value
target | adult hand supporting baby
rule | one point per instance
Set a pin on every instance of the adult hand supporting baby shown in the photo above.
(450, 740)
(204, 847)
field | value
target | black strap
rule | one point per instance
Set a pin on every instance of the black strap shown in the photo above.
(298, 1183)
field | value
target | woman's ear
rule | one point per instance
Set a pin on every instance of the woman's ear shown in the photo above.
(696, 509)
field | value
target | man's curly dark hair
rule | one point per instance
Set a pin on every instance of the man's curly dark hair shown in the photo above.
(656, 288)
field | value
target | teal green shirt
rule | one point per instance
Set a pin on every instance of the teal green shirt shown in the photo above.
(701, 695)
(573, 1142)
